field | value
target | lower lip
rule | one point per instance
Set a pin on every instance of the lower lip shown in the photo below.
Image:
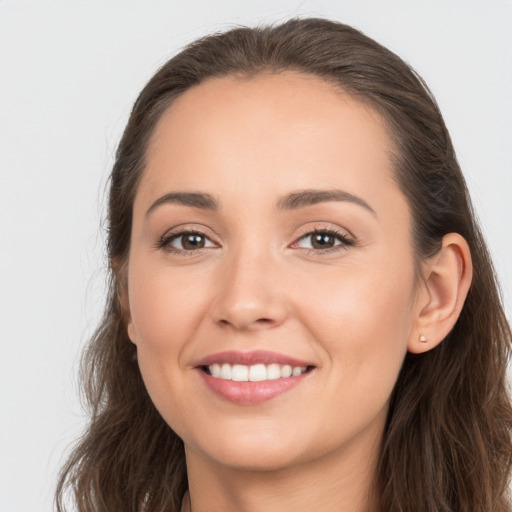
(251, 393)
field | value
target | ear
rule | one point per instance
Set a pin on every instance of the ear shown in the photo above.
(446, 280)
(127, 315)
(121, 272)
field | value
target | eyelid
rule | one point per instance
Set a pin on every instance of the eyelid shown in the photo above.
(325, 228)
(320, 226)
(172, 234)
(346, 239)
(190, 228)
(343, 236)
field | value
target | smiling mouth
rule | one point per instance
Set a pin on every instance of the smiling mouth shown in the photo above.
(254, 373)
(252, 378)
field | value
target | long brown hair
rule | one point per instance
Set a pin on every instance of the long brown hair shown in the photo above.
(447, 444)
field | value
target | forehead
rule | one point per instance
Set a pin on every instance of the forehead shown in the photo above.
(267, 134)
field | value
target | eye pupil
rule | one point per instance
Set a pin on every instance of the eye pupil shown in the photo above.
(322, 240)
(193, 241)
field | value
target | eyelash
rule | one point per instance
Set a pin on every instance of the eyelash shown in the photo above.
(345, 240)
(164, 242)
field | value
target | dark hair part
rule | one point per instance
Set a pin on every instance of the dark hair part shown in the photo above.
(447, 444)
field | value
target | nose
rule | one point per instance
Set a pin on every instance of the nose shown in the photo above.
(250, 293)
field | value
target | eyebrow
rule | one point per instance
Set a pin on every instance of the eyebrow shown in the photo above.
(193, 199)
(310, 197)
(292, 201)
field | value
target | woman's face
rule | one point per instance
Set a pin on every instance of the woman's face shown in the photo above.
(269, 237)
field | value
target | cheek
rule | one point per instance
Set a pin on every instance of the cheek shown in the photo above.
(164, 305)
(356, 300)
(362, 322)
(165, 310)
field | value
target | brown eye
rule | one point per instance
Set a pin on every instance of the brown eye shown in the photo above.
(192, 241)
(322, 241)
(186, 241)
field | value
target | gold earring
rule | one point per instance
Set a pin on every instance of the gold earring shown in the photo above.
(423, 338)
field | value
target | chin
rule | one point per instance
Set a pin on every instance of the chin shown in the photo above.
(261, 459)
(252, 451)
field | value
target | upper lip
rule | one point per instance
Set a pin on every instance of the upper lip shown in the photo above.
(251, 358)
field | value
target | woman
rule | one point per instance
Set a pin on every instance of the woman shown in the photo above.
(302, 309)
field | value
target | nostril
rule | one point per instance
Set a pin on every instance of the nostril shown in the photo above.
(246, 324)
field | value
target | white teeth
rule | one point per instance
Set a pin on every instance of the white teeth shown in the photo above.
(296, 372)
(286, 371)
(215, 370)
(240, 373)
(273, 371)
(256, 372)
(225, 371)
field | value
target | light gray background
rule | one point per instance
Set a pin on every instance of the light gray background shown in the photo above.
(69, 72)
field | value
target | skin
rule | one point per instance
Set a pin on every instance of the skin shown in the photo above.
(260, 284)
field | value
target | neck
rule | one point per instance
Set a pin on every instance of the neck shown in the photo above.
(341, 482)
